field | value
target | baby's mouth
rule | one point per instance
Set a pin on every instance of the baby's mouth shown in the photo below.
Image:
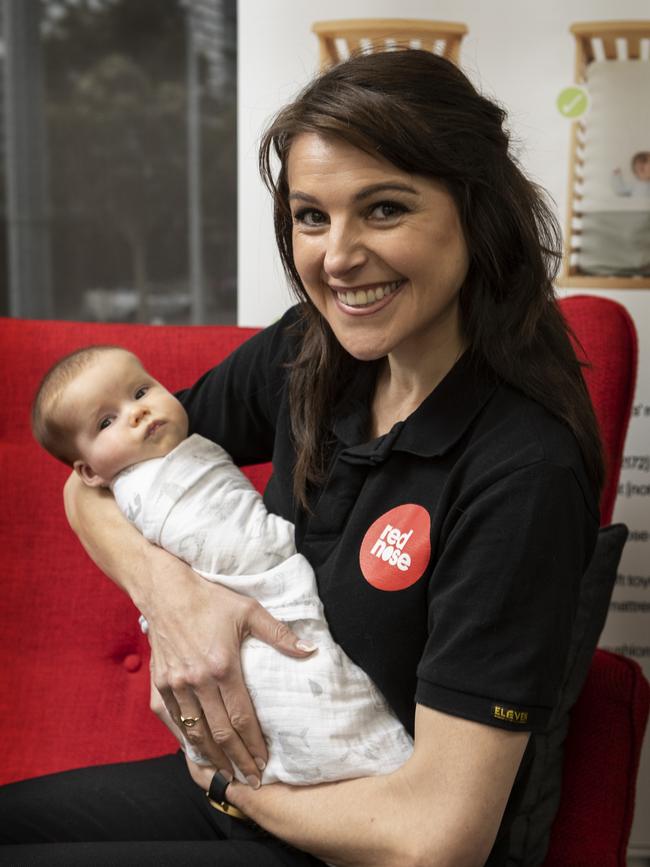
(153, 427)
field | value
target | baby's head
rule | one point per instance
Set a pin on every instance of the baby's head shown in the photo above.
(99, 411)
(641, 165)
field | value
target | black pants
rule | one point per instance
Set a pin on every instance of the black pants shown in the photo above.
(134, 813)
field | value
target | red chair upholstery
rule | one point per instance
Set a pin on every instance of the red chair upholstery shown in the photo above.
(606, 341)
(74, 660)
(601, 760)
(608, 721)
(75, 670)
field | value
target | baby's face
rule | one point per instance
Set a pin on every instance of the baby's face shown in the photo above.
(642, 167)
(121, 415)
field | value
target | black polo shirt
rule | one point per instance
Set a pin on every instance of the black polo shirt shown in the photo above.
(449, 552)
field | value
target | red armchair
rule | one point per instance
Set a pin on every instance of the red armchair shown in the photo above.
(608, 722)
(75, 661)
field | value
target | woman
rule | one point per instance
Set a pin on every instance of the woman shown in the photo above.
(433, 441)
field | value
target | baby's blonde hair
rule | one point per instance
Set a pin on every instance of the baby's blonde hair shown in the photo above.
(48, 426)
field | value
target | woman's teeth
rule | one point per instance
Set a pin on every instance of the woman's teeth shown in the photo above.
(364, 297)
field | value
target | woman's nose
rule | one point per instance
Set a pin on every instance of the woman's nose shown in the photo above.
(344, 252)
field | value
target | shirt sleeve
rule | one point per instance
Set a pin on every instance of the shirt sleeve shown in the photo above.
(503, 598)
(236, 403)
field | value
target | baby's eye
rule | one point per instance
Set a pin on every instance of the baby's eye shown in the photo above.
(387, 210)
(104, 423)
(141, 392)
(310, 217)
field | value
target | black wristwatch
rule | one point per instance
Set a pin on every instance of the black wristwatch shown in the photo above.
(217, 797)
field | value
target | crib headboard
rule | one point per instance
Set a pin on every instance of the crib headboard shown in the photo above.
(338, 40)
(609, 40)
(597, 41)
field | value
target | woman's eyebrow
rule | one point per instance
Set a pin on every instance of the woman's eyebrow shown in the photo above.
(381, 187)
(364, 193)
(303, 197)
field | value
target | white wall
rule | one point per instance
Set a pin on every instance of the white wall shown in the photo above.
(520, 52)
(517, 50)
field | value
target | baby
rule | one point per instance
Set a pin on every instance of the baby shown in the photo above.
(640, 185)
(101, 413)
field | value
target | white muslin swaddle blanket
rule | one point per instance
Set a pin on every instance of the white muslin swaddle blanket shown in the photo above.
(322, 717)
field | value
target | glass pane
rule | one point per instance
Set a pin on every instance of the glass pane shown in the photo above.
(138, 104)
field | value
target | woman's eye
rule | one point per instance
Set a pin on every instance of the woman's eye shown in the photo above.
(141, 392)
(387, 210)
(310, 217)
(104, 423)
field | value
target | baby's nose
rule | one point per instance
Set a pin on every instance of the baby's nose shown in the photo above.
(138, 413)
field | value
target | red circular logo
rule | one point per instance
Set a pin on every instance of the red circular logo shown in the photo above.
(396, 549)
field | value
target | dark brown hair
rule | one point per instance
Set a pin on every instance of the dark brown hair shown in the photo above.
(420, 113)
(49, 426)
(641, 158)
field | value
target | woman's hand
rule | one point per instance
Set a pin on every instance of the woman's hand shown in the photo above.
(195, 630)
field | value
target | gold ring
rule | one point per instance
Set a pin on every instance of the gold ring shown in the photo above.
(190, 721)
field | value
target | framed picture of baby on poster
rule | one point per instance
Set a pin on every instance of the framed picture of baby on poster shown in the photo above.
(608, 226)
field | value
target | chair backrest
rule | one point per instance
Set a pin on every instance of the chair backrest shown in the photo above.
(338, 40)
(69, 639)
(608, 721)
(601, 761)
(606, 341)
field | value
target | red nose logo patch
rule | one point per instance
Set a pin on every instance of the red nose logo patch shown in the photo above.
(396, 549)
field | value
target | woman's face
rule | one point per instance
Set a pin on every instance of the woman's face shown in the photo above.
(380, 252)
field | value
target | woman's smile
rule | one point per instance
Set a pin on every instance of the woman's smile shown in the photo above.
(366, 299)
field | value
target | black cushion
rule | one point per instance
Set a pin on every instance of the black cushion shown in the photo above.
(532, 826)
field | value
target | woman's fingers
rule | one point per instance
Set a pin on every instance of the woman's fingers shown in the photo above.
(188, 715)
(199, 669)
(244, 741)
(264, 626)
(211, 728)
(189, 719)
(233, 723)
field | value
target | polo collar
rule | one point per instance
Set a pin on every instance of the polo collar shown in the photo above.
(445, 415)
(436, 425)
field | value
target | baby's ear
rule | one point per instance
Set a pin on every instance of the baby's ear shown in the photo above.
(88, 476)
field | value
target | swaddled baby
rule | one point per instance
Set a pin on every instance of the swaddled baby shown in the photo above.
(99, 411)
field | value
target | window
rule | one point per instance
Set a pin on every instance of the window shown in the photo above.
(118, 181)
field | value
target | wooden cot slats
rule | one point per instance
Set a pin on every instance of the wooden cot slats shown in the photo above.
(604, 34)
(583, 281)
(370, 34)
(330, 52)
(634, 47)
(611, 52)
(593, 40)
